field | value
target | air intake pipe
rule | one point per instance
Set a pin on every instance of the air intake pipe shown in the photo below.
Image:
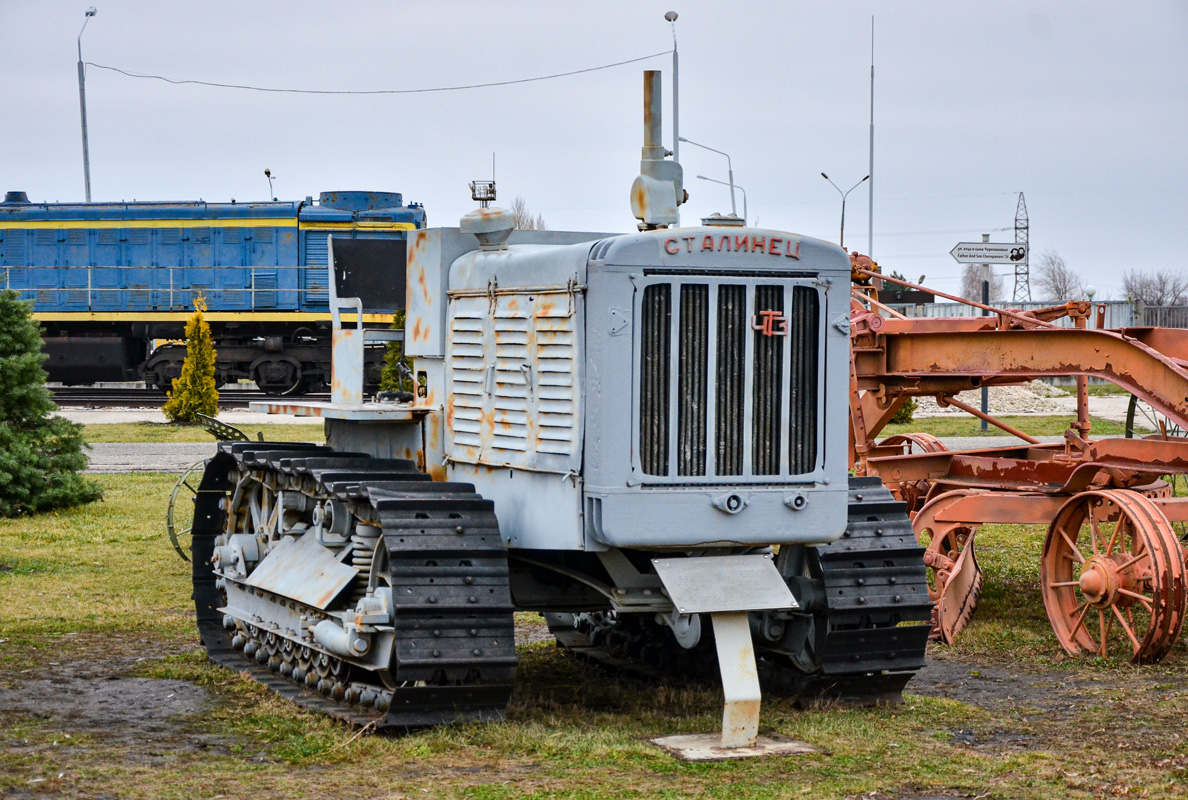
(659, 188)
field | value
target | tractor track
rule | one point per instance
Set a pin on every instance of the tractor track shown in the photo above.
(453, 654)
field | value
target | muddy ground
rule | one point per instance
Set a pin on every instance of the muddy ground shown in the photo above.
(92, 691)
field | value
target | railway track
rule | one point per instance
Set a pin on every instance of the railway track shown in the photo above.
(88, 396)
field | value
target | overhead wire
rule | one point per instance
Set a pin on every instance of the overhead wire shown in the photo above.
(183, 81)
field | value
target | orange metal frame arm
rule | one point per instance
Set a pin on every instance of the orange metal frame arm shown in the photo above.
(903, 353)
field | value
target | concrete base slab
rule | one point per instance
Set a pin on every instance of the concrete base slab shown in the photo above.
(707, 747)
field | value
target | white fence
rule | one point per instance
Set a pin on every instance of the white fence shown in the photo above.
(1118, 313)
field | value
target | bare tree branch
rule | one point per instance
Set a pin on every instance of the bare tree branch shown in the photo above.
(1055, 280)
(524, 219)
(971, 284)
(1165, 287)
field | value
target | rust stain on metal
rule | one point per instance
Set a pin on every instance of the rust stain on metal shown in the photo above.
(423, 284)
(1064, 483)
(639, 199)
(435, 437)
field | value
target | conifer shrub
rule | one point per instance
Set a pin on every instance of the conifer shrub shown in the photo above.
(905, 413)
(194, 392)
(392, 379)
(40, 455)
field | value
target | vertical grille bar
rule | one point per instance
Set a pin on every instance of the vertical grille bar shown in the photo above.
(693, 355)
(655, 353)
(767, 383)
(730, 390)
(803, 333)
(765, 380)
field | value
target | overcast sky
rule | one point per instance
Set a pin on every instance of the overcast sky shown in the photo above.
(1081, 106)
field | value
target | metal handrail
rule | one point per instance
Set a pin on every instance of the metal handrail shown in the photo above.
(172, 289)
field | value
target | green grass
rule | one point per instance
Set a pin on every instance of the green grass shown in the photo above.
(1100, 390)
(965, 425)
(98, 587)
(167, 433)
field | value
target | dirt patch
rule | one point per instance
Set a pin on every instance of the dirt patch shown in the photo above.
(119, 708)
(96, 700)
(997, 686)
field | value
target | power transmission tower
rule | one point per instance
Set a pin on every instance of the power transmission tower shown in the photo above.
(1022, 280)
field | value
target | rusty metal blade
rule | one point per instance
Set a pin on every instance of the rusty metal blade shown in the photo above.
(960, 595)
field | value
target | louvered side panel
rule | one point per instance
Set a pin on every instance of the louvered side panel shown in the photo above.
(76, 256)
(467, 359)
(556, 357)
(266, 282)
(13, 254)
(315, 286)
(511, 325)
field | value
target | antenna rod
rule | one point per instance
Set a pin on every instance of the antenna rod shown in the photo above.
(870, 171)
(671, 16)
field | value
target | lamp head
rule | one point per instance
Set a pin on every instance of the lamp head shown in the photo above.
(671, 16)
(90, 12)
(823, 175)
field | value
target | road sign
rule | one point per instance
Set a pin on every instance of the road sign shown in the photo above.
(990, 252)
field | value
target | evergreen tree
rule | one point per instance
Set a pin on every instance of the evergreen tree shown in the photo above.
(392, 379)
(194, 392)
(40, 455)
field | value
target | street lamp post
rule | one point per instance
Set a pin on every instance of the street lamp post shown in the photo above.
(736, 186)
(729, 170)
(844, 195)
(82, 103)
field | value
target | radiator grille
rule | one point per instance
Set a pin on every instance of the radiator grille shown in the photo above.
(803, 340)
(691, 382)
(768, 386)
(745, 365)
(656, 348)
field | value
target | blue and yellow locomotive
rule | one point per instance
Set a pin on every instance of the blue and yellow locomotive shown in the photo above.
(113, 283)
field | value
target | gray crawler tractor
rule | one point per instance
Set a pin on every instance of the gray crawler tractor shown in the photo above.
(643, 436)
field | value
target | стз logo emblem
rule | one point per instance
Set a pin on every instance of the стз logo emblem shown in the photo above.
(770, 323)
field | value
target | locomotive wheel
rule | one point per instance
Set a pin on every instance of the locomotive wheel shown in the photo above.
(279, 377)
(954, 577)
(1113, 576)
(913, 493)
(179, 517)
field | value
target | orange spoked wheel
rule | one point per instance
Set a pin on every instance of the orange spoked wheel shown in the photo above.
(1113, 577)
(913, 493)
(954, 577)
